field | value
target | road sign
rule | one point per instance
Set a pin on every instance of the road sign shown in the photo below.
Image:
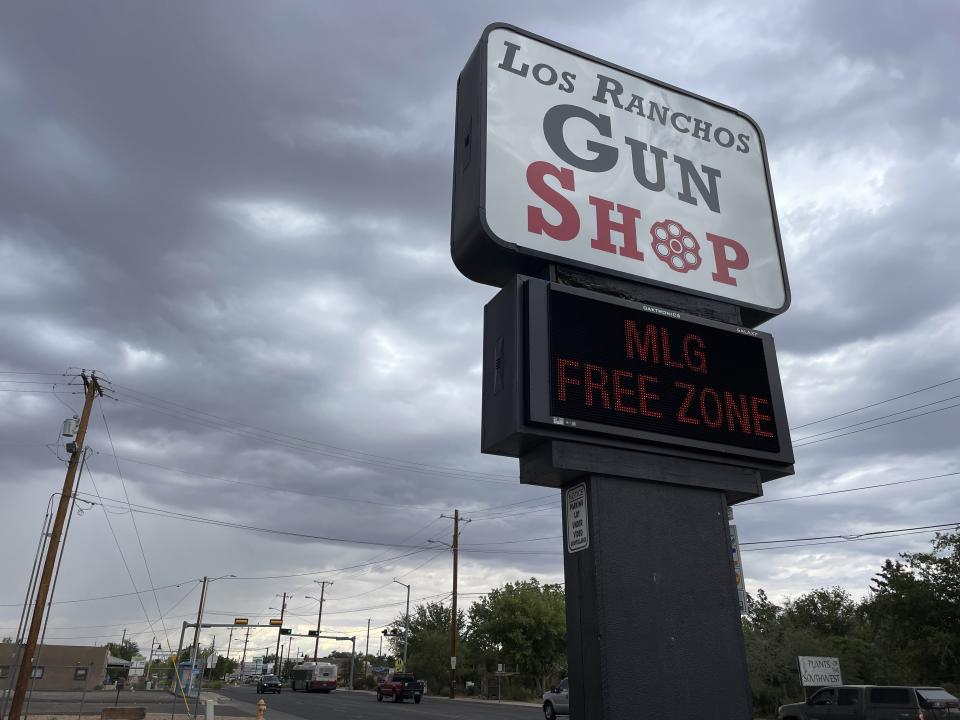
(453, 662)
(562, 157)
(578, 532)
(819, 671)
(241, 621)
(276, 622)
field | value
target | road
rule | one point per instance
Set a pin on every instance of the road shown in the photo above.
(344, 705)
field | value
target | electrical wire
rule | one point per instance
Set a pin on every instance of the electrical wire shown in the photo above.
(264, 486)
(133, 519)
(846, 490)
(880, 417)
(161, 512)
(297, 443)
(839, 542)
(853, 536)
(123, 558)
(880, 402)
(874, 427)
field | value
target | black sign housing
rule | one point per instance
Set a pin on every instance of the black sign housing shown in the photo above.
(566, 363)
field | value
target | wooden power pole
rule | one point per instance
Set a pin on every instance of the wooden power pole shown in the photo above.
(453, 613)
(92, 389)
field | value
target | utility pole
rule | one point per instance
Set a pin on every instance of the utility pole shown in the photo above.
(123, 639)
(453, 613)
(92, 388)
(146, 674)
(196, 633)
(276, 654)
(229, 643)
(323, 587)
(366, 652)
(406, 625)
(243, 658)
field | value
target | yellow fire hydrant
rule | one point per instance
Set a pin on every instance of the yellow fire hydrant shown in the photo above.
(261, 709)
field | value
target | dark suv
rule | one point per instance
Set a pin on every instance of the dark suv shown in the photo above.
(268, 683)
(874, 702)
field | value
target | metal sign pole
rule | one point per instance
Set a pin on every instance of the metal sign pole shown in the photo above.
(652, 605)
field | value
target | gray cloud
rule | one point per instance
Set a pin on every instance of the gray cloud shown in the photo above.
(244, 211)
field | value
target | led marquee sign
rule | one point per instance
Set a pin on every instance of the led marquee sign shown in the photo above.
(588, 367)
(616, 367)
(561, 157)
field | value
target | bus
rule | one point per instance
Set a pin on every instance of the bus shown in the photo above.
(314, 676)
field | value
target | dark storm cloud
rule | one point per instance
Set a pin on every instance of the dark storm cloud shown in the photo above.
(244, 209)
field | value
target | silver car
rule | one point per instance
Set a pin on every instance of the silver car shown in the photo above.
(557, 701)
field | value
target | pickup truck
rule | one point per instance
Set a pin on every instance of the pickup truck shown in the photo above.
(400, 686)
(874, 702)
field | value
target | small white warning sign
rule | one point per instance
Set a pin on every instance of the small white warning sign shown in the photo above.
(578, 533)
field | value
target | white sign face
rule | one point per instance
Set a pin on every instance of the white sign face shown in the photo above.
(578, 532)
(597, 166)
(819, 671)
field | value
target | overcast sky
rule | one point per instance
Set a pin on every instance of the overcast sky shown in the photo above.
(238, 213)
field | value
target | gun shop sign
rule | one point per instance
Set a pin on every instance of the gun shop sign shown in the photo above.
(584, 163)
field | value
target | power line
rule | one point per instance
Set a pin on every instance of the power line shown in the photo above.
(874, 427)
(854, 536)
(287, 440)
(881, 417)
(880, 402)
(133, 519)
(838, 542)
(265, 486)
(105, 597)
(123, 558)
(847, 490)
(161, 512)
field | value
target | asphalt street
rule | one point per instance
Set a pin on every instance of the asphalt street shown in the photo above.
(344, 705)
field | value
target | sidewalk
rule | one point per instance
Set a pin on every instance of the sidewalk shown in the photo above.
(472, 699)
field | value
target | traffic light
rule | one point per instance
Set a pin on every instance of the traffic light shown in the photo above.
(286, 631)
(312, 633)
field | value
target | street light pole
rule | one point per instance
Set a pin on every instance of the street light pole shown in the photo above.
(406, 625)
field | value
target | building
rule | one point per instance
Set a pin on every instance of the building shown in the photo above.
(58, 667)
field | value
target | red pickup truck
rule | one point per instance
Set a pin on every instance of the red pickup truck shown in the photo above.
(400, 686)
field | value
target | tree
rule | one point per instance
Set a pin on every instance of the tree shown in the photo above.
(224, 666)
(126, 650)
(428, 649)
(523, 624)
(831, 611)
(914, 612)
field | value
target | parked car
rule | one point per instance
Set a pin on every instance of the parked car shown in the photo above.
(557, 701)
(268, 683)
(400, 686)
(874, 702)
